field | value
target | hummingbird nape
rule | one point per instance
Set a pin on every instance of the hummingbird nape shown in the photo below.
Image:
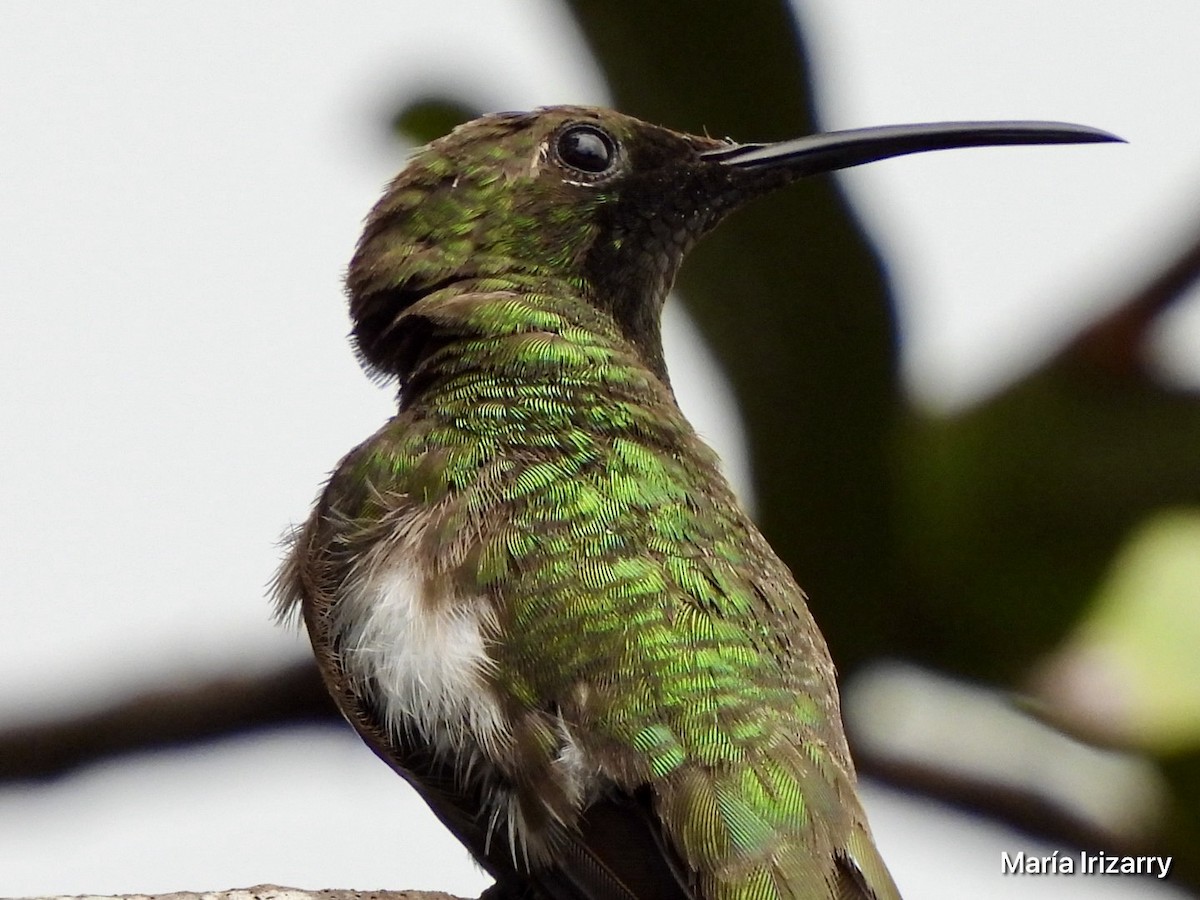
(532, 592)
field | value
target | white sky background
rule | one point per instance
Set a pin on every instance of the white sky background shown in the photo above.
(181, 186)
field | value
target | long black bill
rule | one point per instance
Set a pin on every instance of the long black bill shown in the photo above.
(842, 149)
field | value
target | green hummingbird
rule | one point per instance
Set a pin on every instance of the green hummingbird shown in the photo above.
(532, 592)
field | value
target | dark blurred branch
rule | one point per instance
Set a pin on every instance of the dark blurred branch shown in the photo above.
(295, 696)
(1117, 340)
(1026, 811)
(1044, 820)
(151, 721)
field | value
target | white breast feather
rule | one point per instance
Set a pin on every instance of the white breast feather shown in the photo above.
(427, 655)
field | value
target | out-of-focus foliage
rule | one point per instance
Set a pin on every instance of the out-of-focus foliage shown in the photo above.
(1015, 509)
(420, 121)
(1130, 673)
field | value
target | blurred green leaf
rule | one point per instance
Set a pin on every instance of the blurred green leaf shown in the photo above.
(1014, 510)
(1130, 674)
(421, 120)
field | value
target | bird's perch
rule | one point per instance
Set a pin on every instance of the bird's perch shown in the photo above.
(267, 892)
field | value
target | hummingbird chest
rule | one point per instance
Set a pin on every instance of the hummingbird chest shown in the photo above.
(493, 559)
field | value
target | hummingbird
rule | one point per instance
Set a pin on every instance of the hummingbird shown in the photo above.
(532, 592)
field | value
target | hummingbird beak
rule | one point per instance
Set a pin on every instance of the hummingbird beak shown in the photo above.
(843, 149)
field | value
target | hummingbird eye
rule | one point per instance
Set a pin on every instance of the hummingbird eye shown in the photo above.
(588, 149)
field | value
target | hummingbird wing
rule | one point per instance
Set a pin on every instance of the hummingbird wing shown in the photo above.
(684, 670)
(615, 851)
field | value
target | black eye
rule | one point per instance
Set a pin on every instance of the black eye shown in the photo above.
(587, 148)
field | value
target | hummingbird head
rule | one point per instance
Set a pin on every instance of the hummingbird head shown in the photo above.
(593, 201)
